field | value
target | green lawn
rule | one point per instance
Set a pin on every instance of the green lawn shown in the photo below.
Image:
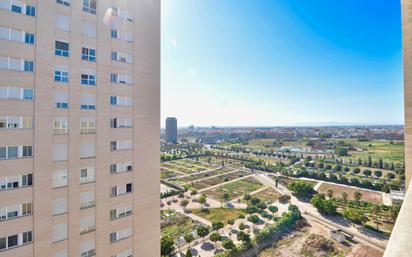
(218, 214)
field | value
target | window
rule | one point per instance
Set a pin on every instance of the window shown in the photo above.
(113, 33)
(61, 98)
(89, 6)
(30, 10)
(29, 66)
(121, 78)
(87, 199)
(121, 167)
(121, 100)
(27, 237)
(121, 123)
(87, 249)
(121, 234)
(121, 190)
(61, 76)
(17, 7)
(15, 240)
(12, 152)
(27, 151)
(29, 38)
(60, 178)
(87, 175)
(87, 224)
(27, 180)
(88, 79)
(28, 94)
(15, 122)
(12, 241)
(27, 209)
(87, 101)
(88, 54)
(87, 126)
(120, 212)
(121, 57)
(63, 2)
(3, 153)
(60, 126)
(127, 253)
(62, 49)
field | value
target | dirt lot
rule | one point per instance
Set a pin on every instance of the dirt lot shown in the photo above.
(296, 245)
(369, 196)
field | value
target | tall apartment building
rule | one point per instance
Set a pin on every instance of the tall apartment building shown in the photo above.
(171, 130)
(79, 128)
(399, 243)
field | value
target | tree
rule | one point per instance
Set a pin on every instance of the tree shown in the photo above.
(226, 197)
(357, 196)
(228, 244)
(189, 253)
(184, 203)
(342, 151)
(244, 237)
(330, 193)
(367, 173)
(166, 245)
(247, 197)
(323, 205)
(214, 237)
(376, 211)
(202, 231)
(189, 238)
(216, 225)
(393, 213)
(242, 226)
(355, 215)
(356, 170)
(254, 219)
(231, 221)
(273, 209)
(390, 175)
(377, 173)
(345, 197)
(202, 200)
(254, 201)
(301, 189)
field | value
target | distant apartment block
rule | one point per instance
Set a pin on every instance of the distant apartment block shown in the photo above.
(171, 130)
(79, 128)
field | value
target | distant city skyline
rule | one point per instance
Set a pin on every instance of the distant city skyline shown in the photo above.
(282, 63)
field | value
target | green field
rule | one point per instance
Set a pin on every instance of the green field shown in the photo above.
(218, 214)
(379, 149)
(235, 189)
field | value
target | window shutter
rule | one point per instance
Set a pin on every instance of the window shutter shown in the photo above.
(87, 99)
(87, 246)
(63, 22)
(59, 206)
(59, 232)
(62, 253)
(61, 97)
(89, 29)
(60, 152)
(87, 150)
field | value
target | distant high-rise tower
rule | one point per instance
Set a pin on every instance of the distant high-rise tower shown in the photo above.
(79, 128)
(171, 130)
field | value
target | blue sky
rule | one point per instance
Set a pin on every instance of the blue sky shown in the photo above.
(283, 62)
